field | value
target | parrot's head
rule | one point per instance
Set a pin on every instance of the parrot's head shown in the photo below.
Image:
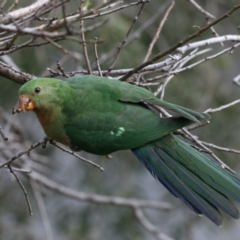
(39, 94)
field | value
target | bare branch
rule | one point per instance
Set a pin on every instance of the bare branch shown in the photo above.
(136, 34)
(156, 36)
(211, 145)
(22, 12)
(76, 155)
(125, 39)
(43, 211)
(23, 189)
(208, 42)
(200, 144)
(149, 226)
(97, 59)
(13, 74)
(181, 43)
(84, 42)
(2, 134)
(96, 198)
(212, 110)
(200, 9)
(23, 153)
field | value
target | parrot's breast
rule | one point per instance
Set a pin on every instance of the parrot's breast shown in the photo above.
(53, 126)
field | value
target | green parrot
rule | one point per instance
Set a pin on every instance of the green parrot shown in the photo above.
(101, 116)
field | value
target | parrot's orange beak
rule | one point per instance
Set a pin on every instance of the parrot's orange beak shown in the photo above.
(25, 103)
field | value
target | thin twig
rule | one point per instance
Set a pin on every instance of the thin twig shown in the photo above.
(59, 67)
(178, 65)
(43, 211)
(211, 145)
(97, 58)
(76, 155)
(65, 51)
(22, 170)
(65, 19)
(135, 35)
(23, 189)
(125, 40)
(3, 135)
(199, 143)
(197, 125)
(212, 110)
(149, 226)
(84, 41)
(22, 153)
(174, 72)
(201, 10)
(214, 32)
(181, 43)
(157, 34)
(12, 6)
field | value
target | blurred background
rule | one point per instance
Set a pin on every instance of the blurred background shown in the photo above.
(208, 85)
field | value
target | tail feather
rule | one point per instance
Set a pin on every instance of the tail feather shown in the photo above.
(201, 188)
(209, 171)
(189, 175)
(163, 180)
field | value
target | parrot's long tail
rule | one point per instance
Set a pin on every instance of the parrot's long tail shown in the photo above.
(201, 183)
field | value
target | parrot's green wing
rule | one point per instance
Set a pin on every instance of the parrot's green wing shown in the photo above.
(141, 95)
(114, 115)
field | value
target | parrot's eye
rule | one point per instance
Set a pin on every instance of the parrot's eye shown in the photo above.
(37, 90)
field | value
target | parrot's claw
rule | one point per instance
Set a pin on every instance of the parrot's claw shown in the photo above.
(46, 140)
(75, 148)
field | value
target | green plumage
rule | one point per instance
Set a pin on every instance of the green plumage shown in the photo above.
(102, 116)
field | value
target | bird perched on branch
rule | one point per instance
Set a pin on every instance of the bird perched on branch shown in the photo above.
(101, 116)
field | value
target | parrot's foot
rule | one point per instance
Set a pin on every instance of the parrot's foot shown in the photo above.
(75, 148)
(46, 140)
(109, 156)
